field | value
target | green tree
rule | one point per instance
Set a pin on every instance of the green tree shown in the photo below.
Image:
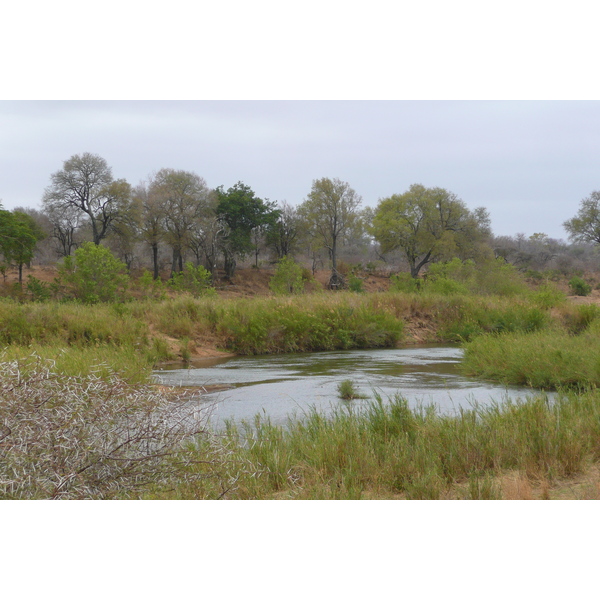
(94, 274)
(242, 212)
(585, 225)
(86, 184)
(19, 235)
(429, 224)
(27, 233)
(331, 212)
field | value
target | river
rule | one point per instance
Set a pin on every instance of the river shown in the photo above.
(288, 384)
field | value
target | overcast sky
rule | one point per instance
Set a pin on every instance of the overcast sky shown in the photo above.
(528, 162)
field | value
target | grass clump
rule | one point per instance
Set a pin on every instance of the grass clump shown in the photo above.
(549, 359)
(347, 390)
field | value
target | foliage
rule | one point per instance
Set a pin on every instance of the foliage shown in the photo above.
(288, 277)
(89, 437)
(242, 211)
(579, 287)
(428, 224)
(39, 291)
(355, 284)
(19, 234)
(94, 274)
(585, 226)
(151, 287)
(403, 282)
(548, 296)
(195, 280)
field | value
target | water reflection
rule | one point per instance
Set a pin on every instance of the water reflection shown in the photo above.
(281, 385)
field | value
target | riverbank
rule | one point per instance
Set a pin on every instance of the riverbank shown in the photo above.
(130, 339)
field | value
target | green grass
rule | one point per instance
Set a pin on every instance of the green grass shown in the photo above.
(392, 450)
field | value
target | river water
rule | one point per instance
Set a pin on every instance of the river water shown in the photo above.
(288, 384)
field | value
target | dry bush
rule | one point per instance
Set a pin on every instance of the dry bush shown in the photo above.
(91, 437)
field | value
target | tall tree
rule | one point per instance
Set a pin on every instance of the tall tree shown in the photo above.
(283, 235)
(183, 197)
(585, 225)
(86, 183)
(242, 211)
(428, 224)
(19, 234)
(331, 211)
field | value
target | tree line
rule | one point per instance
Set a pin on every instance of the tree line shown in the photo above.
(176, 211)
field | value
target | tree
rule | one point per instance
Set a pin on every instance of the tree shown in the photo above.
(19, 234)
(585, 225)
(182, 197)
(331, 213)
(283, 235)
(66, 221)
(86, 184)
(429, 224)
(242, 211)
(27, 233)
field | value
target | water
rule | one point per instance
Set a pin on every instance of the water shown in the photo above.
(288, 384)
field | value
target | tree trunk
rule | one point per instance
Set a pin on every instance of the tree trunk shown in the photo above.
(155, 260)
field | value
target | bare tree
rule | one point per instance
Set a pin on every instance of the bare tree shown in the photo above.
(86, 183)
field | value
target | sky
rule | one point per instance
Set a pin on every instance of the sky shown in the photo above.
(528, 162)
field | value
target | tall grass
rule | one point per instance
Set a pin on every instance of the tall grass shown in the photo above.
(546, 360)
(394, 451)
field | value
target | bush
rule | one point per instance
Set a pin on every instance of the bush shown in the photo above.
(93, 274)
(195, 280)
(403, 282)
(288, 277)
(75, 438)
(355, 284)
(579, 287)
(150, 287)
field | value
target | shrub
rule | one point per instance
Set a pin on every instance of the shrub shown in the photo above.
(579, 287)
(195, 280)
(288, 277)
(548, 296)
(74, 438)
(38, 290)
(403, 282)
(94, 274)
(150, 287)
(355, 284)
